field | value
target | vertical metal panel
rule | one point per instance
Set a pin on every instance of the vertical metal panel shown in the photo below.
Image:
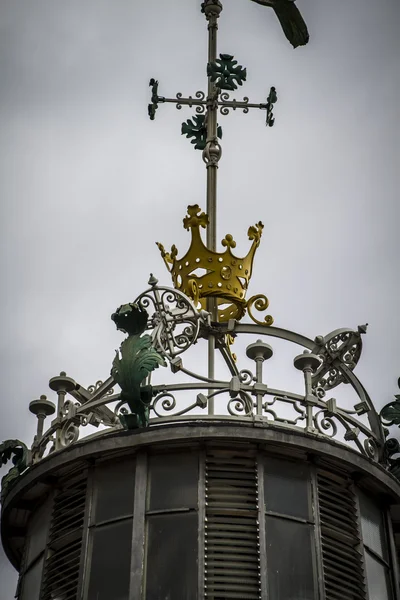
(395, 563)
(232, 540)
(138, 535)
(341, 539)
(62, 567)
(27, 561)
(86, 550)
(261, 521)
(202, 520)
(18, 592)
(360, 545)
(318, 535)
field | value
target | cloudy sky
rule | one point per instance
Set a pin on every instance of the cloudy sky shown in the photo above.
(88, 183)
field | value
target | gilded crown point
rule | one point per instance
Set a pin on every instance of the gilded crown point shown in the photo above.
(202, 273)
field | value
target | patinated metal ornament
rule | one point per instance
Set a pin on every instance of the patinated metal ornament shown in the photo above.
(226, 73)
(135, 360)
(18, 453)
(292, 22)
(390, 415)
(196, 129)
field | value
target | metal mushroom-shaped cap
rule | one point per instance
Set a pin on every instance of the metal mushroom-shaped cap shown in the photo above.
(307, 360)
(42, 407)
(62, 383)
(259, 351)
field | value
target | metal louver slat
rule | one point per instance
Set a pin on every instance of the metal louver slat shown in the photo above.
(340, 538)
(61, 572)
(232, 556)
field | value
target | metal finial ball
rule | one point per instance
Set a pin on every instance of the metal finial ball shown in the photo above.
(153, 280)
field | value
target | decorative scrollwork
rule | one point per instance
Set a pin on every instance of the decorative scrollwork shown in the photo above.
(241, 405)
(232, 104)
(68, 410)
(230, 340)
(332, 379)
(246, 377)
(172, 317)
(338, 347)
(325, 424)
(189, 101)
(319, 392)
(69, 433)
(371, 448)
(261, 303)
(93, 388)
(167, 400)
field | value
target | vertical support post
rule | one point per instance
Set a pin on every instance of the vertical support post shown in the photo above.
(202, 524)
(211, 156)
(62, 385)
(212, 152)
(317, 549)
(259, 377)
(87, 538)
(393, 554)
(261, 529)
(138, 564)
(308, 398)
(308, 363)
(41, 408)
(259, 352)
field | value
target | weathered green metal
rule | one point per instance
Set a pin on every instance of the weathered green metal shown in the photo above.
(196, 128)
(136, 359)
(391, 448)
(226, 73)
(152, 107)
(390, 415)
(272, 98)
(292, 22)
(16, 451)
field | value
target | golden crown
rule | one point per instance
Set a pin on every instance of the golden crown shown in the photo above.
(202, 273)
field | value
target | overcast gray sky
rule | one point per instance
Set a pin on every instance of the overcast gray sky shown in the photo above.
(88, 183)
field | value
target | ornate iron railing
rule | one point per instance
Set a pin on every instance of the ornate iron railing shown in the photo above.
(174, 325)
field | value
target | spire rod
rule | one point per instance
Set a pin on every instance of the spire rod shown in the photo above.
(224, 73)
(212, 150)
(211, 156)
